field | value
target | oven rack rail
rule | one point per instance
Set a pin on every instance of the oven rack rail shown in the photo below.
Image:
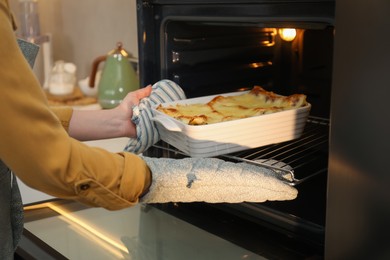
(294, 161)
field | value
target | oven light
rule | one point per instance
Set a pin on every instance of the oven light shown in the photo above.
(287, 34)
(256, 65)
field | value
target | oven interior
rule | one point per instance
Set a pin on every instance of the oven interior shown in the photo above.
(212, 56)
(207, 58)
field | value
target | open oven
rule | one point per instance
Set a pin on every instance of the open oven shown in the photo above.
(213, 47)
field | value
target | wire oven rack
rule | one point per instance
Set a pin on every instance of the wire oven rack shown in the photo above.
(294, 161)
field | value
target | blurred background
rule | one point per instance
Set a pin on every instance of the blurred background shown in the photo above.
(83, 30)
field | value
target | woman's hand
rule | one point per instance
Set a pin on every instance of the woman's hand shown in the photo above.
(124, 110)
(107, 123)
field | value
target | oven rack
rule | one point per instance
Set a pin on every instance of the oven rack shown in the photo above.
(294, 161)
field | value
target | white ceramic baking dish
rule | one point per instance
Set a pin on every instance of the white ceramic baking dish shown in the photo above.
(230, 136)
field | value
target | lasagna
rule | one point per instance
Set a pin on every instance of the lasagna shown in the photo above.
(225, 108)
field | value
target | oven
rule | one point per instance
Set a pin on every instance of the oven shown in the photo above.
(213, 47)
(339, 59)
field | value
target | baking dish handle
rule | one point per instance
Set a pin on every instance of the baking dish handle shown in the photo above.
(167, 123)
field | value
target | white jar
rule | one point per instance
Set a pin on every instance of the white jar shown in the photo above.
(62, 78)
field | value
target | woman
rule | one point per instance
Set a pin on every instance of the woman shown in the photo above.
(35, 144)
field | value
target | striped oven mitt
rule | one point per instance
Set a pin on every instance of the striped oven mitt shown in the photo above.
(147, 134)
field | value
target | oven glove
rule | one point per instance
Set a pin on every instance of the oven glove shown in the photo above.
(214, 181)
(147, 134)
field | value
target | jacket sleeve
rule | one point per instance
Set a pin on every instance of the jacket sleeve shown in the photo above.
(37, 148)
(64, 114)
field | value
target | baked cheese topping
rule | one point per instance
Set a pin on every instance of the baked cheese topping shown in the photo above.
(225, 108)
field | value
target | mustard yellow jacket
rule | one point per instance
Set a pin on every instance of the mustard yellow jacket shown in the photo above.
(35, 145)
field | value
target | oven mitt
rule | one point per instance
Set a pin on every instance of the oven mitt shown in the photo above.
(147, 134)
(214, 181)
